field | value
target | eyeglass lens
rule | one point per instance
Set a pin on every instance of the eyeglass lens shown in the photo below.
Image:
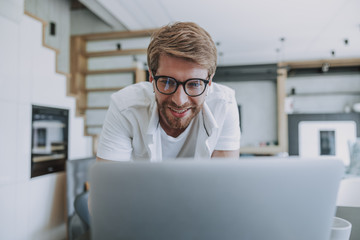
(168, 85)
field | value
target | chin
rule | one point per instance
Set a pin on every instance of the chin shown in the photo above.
(179, 123)
(182, 124)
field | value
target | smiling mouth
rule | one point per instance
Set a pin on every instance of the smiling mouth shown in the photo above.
(179, 112)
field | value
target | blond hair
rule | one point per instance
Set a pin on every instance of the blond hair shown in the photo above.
(185, 40)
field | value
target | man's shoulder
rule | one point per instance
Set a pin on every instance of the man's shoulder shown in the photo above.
(219, 92)
(135, 95)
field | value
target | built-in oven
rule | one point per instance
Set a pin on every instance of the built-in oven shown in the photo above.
(49, 148)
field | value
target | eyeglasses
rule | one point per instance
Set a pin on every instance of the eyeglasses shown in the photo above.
(193, 87)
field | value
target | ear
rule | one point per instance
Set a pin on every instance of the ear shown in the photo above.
(210, 79)
(151, 78)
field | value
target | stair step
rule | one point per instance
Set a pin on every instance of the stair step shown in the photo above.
(94, 132)
(117, 70)
(95, 116)
(94, 129)
(114, 89)
(118, 35)
(97, 108)
(94, 126)
(110, 80)
(116, 53)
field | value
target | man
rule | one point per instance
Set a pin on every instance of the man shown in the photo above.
(180, 112)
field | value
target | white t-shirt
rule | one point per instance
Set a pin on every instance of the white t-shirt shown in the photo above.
(183, 146)
(131, 127)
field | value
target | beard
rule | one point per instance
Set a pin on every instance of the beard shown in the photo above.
(173, 122)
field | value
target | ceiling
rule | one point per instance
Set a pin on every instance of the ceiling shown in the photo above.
(252, 31)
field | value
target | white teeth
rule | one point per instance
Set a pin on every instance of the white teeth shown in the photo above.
(179, 111)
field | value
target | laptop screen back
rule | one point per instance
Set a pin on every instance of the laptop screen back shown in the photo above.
(278, 199)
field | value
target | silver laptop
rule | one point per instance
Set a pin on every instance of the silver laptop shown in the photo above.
(256, 198)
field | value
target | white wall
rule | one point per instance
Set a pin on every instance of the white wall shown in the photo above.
(324, 93)
(83, 21)
(57, 12)
(258, 111)
(317, 94)
(30, 208)
(68, 22)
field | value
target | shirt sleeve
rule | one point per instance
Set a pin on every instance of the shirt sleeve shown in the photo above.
(229, 138)
(115, 141)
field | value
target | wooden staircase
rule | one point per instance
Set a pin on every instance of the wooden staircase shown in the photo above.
(99, 66)
(89, 82)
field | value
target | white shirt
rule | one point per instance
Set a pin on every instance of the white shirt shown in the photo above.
(183, 146)
(131, 128)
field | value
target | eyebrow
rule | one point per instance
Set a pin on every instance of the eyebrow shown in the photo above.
(184, 80)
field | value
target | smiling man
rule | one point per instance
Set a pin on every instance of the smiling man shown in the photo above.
(180, 112)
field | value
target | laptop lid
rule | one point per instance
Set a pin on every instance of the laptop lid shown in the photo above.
(253, 198)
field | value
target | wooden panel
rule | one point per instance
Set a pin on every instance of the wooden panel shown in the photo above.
(81, 63)
(118, 70)
(103, 89)
(78, 64)
(117, 35)
(267, 150)
(95, 144)
(97, 108)
(81, 102)
(79, 82)
(282, 116)
(73, 56)
(140, 75)
(319, 63)
(117, 53)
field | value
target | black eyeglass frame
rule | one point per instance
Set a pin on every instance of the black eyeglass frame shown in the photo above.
(156, 78)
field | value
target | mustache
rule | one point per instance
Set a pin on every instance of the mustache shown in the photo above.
(171, 104)
(175, 106)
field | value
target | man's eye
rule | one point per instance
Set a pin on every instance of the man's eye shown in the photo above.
(165, 81)
(194, 84)
(170, 82)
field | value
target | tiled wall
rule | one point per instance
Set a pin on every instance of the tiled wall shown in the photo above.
(30, 208)
(57, 12)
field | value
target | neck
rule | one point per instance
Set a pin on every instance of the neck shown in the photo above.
(173, 132)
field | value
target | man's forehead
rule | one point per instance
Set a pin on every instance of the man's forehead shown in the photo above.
(177, 65)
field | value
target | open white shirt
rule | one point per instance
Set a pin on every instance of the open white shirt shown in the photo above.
(131, 128)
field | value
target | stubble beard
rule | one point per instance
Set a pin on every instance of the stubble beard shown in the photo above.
(172, 121)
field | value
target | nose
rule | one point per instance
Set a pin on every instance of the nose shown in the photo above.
(180, 97)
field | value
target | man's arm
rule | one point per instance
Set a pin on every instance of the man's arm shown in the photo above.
(102, 160)
(115, 141)
(225, 154)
